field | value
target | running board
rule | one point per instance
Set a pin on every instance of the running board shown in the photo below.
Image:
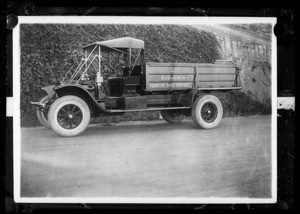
(147, 109)
(227, 88)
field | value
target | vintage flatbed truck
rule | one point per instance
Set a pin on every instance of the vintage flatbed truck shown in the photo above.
(113, 78)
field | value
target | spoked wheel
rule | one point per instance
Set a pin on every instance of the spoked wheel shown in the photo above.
(69, 116)
(172, 116)
(207, 112)
(42, 113)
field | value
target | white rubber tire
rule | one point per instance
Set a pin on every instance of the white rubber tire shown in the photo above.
(69, 100)
(43, 119)
(170, 118)
(197, 108)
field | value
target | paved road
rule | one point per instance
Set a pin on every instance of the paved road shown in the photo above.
(150, 159)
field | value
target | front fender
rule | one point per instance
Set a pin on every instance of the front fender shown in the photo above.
(77, 90)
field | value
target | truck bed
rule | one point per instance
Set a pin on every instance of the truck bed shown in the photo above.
(184, 76)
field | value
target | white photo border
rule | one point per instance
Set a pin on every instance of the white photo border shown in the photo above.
(178, 20)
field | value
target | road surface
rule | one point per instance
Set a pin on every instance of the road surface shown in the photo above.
(150, 159)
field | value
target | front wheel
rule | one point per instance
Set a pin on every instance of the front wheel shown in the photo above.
(207, 112)
(172, 116)
(69, 116)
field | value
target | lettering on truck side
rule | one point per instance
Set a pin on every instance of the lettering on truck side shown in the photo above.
(176, 77)
(171, 85)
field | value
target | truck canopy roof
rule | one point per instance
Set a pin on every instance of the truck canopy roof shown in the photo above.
(119, 44)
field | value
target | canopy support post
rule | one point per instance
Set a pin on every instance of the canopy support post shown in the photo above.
(99, 78)
(99, 56)
(129, 57)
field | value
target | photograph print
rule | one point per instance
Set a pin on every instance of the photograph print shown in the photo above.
(163, 110)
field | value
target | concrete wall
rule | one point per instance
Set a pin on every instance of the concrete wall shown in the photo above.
(241, 43)
(251, 52)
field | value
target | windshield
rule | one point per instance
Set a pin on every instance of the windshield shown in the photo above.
(108, 61)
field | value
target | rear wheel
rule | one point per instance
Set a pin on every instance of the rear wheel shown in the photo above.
(69, 116)
(207, 112)
(172, 116)
(42, 113)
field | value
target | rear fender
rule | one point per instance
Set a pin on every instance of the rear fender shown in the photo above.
(188, 98)
(77, 90)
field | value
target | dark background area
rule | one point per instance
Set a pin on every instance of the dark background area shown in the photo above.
(285, 31)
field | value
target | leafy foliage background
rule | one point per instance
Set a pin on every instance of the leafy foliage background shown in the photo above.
(49, 50)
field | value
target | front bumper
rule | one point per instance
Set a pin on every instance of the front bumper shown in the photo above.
(38, 104)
